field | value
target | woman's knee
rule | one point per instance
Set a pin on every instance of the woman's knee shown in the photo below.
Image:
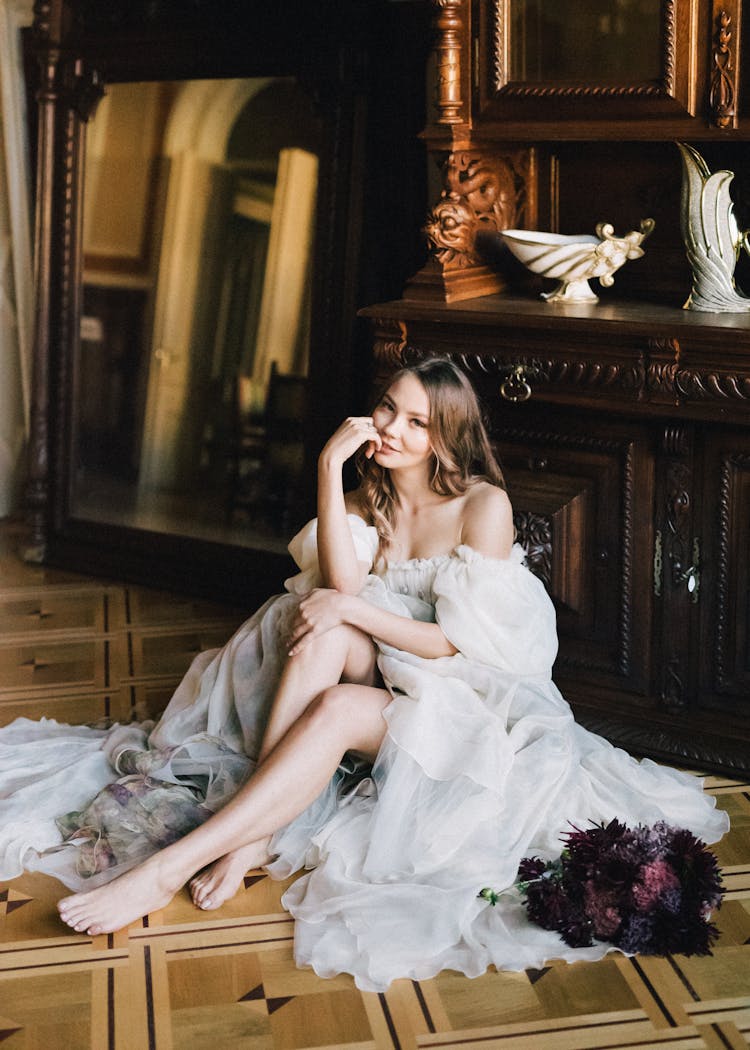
(360, 666)
(352, 649)
(353, 713)
(331, 705)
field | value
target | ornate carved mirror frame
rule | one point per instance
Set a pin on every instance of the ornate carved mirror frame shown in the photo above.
(81, 46)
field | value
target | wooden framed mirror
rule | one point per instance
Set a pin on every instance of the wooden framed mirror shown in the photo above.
(201, 172)
(617, 59)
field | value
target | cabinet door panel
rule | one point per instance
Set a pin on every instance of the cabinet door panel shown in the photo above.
(724, 665)
(582, 496)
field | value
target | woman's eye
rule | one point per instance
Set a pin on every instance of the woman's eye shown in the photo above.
(419, 422)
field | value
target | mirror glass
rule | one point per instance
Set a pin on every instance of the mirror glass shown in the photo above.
(198, 243)
(607, 42)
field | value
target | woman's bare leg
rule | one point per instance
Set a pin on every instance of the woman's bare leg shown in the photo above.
(343, 718)
(342, 654)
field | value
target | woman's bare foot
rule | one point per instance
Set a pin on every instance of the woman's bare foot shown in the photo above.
(219, 882)
(116, 905)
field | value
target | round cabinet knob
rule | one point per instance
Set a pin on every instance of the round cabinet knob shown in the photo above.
(515, 387)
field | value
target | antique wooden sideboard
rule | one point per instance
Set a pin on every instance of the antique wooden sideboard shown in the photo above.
(623, 426)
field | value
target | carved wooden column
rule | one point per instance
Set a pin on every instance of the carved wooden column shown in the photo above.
(451, 64)
(485, 189)
(60, 142)
(47, 17)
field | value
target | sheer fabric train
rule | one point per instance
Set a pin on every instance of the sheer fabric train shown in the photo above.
(482, 764)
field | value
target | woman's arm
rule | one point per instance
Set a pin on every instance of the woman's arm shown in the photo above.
(339, 567)
(322, 609)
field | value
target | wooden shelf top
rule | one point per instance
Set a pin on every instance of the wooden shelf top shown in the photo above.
(608, 318)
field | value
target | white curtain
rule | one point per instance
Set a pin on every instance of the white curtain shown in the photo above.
(16, 272)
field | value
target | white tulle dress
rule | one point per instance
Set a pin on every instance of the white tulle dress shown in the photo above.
(482, 764)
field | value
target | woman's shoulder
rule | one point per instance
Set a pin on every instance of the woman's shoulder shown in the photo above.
(483, 497)
(487, 520)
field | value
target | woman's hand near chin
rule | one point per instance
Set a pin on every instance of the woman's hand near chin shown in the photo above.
(319, 611)
(353, 433)
(340, 568)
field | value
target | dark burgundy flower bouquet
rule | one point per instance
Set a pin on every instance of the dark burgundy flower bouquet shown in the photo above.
(646, 890)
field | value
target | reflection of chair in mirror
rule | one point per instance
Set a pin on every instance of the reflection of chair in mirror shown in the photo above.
(267, 455)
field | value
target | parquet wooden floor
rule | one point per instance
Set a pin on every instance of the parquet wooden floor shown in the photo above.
(80, 649)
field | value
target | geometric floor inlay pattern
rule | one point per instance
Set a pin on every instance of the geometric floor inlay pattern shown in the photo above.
(80, 650)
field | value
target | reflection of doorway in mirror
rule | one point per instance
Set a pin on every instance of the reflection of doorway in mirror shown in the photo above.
(585, 42)
(264, 311)
(199, 212)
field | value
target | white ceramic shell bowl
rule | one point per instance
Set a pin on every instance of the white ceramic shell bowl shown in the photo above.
(574, 260)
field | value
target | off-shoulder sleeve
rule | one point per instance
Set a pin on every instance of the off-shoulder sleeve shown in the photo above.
(304, 549)
(496, 611)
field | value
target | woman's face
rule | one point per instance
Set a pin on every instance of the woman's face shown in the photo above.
(402, 418)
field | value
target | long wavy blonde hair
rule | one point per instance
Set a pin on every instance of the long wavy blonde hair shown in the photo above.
(461, 447)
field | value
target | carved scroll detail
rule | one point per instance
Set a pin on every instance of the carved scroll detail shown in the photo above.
(389, 344)
(721, 93)
(480, 195)
(677, 540)
(691, 383)
(534, 533)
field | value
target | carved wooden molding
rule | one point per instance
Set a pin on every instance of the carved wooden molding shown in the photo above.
(675, 440)
(723, 88)
(553, 371)
(698, 750)
(510, 89)
(626, 570)
(640, 376)
(730, 465)
(722, 574)
(716, 386)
